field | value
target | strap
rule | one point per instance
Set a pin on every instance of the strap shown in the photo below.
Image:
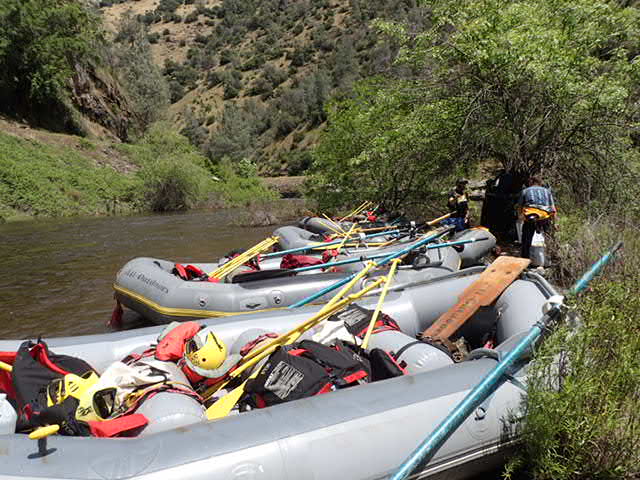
(406, 347)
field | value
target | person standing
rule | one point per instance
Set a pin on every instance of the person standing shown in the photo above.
(458, 204)
(536, 207)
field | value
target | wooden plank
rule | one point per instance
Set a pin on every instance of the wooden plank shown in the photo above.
(484, 291)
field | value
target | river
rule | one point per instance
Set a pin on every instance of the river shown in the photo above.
(56, 275)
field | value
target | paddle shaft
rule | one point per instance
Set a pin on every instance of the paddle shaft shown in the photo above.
(325, 244)
(380, 255)
(492, 381)
(384, 261)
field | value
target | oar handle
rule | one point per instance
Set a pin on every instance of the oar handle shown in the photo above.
(6, 367)
(43, 432)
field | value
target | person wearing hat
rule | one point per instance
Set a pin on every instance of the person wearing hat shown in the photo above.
(458, 205)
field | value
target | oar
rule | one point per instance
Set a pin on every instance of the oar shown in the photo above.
(364, 258)
(383, 295)
(357, 210)
(225, 404)
(6, 367)
(244, 257)
(337, 231)
(372, 264)
(324, 245)
(494, 379)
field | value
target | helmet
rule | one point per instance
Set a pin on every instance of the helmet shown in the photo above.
(206, 354)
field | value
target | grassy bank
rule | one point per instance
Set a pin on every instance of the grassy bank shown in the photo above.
(582, 420)
(42, 180)
(161, 172)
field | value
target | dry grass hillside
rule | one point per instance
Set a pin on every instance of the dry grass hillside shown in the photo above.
(250, 78)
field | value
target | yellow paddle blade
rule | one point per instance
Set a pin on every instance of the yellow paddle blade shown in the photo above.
(224, 405)
(6, 367)
(44, 432)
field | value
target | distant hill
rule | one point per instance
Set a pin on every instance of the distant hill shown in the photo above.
(250, 78)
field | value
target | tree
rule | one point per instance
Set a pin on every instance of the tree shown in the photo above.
(536, 85)
(41, 41)
(132, 61)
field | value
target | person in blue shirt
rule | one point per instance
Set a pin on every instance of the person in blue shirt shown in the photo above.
(537, 207)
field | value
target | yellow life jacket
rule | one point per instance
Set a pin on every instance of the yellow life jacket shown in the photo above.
(538, 212)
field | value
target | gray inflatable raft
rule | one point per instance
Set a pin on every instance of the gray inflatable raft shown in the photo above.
(148, 287)
(359, 433)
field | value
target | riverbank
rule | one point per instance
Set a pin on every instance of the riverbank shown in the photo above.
(43, 174)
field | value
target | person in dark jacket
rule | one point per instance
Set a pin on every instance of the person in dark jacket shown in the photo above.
(458, 204)
(537, 207)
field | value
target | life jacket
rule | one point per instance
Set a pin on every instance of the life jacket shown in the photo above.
(536, 214)
(290, 261)
(35, 369)
(171, 345)
(356, 320)
(192, 273)
(304, 369)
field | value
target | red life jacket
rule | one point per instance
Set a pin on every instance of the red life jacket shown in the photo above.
(290, 261)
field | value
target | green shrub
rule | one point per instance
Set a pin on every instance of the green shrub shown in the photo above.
(589, 427)
(40, 180)
(241, 186)
(173, 175)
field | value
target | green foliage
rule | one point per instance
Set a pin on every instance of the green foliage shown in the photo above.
(241, 186)
(41, 180)
(537, 85)
(380, 146)
(172, 175)
(41, 41)
(588, 427)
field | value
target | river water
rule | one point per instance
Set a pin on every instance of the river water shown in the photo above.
(56, 275)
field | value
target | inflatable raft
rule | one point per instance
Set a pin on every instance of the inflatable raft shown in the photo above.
(149, 287)
(358, 433)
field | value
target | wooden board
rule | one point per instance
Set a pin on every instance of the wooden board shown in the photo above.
(484, 291)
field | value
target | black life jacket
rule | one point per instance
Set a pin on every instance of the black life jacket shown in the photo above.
(356, 320)
(305, 369)
(34, 369)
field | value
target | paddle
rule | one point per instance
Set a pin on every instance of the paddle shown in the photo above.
(244, 257)
(324, 245)
(496, 377)
(267, 274)
(369, 266)
(394, 264)
(225, 404)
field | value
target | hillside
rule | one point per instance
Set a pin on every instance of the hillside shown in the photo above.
(250, 79)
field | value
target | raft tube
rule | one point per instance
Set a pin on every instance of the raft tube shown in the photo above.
(148, 287)
(359, 433)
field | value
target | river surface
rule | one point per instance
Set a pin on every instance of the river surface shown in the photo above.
(56, 275)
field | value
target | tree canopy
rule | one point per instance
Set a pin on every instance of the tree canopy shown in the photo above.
(40, 43)
(531, 85)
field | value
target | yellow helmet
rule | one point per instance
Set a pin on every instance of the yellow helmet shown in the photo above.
(206, 354)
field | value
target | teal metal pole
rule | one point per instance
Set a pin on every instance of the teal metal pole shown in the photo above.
(381, 255)
(384, 261)
(494, 379)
